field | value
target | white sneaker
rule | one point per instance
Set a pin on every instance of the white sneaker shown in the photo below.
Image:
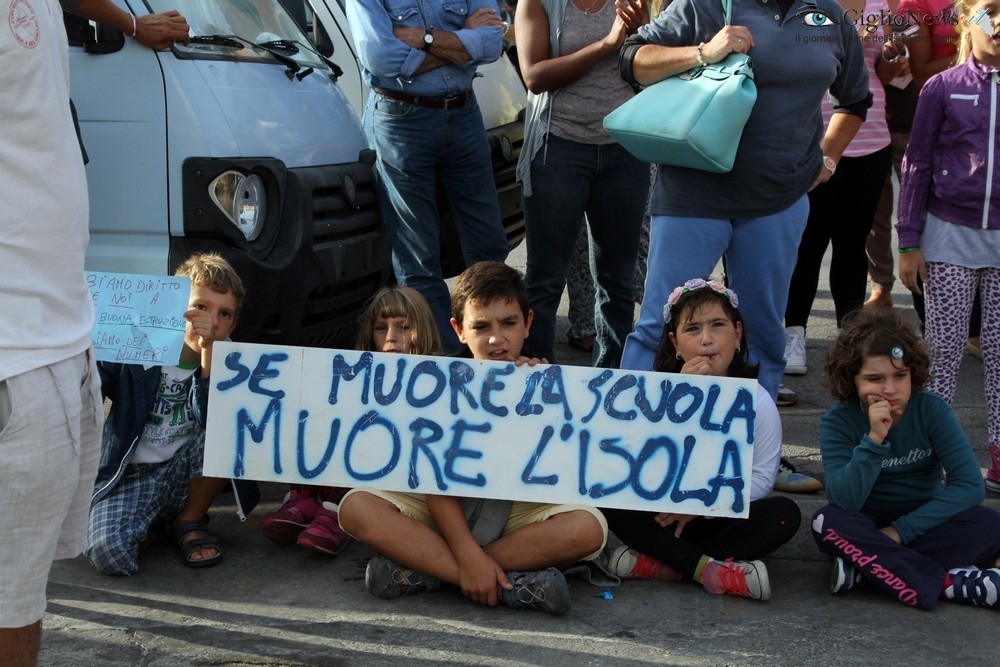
(630, 564)
(747, 579)
(795, 351)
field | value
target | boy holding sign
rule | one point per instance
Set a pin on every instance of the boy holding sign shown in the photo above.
(154, 436)
(425, 540)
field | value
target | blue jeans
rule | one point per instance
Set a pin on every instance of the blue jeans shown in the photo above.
(760, 257)
(417, 149)
(606, 183)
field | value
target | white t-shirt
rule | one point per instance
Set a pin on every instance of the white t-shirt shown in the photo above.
(47, 310)
(766, 446)
(170, 424)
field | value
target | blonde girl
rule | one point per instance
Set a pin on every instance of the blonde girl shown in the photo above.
(949, 210)
(395, 320)
(398, 319)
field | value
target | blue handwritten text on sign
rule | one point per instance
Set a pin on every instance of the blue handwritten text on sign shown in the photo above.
(139, 318)
(486, 429)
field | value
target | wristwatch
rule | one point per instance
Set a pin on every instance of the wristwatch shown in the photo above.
(428, 40)
(830, 164)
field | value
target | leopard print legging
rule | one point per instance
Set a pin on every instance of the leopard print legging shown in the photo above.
(949, 294)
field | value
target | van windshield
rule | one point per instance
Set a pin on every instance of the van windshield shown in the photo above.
(247, 23)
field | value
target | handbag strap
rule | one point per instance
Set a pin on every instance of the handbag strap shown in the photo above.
(727, 8)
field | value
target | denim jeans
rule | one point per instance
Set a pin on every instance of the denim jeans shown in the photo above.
(760, 257)
(606, 183)
(418, 148)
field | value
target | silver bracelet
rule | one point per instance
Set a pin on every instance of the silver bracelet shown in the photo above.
(697, 53)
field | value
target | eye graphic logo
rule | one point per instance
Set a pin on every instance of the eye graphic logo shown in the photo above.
(813, 16)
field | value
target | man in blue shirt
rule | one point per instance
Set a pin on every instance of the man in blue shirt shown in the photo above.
(423, 121)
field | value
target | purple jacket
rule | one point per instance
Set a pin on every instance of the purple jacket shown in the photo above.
(951, 166)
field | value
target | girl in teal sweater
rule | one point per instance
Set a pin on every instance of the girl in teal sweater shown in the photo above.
(893, 520)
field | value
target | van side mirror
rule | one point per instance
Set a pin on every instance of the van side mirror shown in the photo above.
(79, 30)
(108, 40)
(313, 29)
(321, 39)
(102, 39)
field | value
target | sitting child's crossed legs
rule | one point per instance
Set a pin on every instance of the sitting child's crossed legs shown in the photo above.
(400, 526)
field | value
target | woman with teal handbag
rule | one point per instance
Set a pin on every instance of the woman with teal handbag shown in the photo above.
(754, 214)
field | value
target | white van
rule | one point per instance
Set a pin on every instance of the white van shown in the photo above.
(502, 99)
(241, 142)
(248, 142)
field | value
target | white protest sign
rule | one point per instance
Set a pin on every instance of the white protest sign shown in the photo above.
(485, 429)
(140, 319)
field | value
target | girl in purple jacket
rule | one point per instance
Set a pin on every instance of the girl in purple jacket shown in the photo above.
(949, 209)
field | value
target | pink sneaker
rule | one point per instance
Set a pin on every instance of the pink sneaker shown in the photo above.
(993, 473)
(297, 512)
(324, 533)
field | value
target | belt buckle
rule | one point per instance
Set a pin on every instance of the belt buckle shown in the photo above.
(455, 100)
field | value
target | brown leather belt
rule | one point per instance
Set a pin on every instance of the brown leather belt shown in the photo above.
(452, 102)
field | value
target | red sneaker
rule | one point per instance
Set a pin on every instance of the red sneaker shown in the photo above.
(297, 512)
(747, 579)
(630, 564)
(993, 473)
(324, 533)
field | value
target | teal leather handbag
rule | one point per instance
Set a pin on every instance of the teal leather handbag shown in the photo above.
(694, 119)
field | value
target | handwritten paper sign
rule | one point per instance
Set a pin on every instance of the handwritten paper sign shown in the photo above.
(140, 319)
(485, 429)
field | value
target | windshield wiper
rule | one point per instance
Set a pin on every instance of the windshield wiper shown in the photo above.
(280, 44)
(273, 47)
(218, 40)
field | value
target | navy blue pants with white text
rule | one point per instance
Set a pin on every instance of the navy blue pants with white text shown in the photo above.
(913, 573)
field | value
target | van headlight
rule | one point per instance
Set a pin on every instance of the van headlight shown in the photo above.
(242, 199)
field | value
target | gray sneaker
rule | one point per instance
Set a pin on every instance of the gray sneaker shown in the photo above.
(791, 480)
(544, 590)
(387, 580)
(786, 397)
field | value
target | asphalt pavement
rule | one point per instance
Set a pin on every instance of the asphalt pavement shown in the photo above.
(269, 604)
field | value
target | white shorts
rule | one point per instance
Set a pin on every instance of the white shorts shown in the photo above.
(50, 442)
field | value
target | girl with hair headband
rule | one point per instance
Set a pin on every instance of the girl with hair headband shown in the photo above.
(704, 334)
